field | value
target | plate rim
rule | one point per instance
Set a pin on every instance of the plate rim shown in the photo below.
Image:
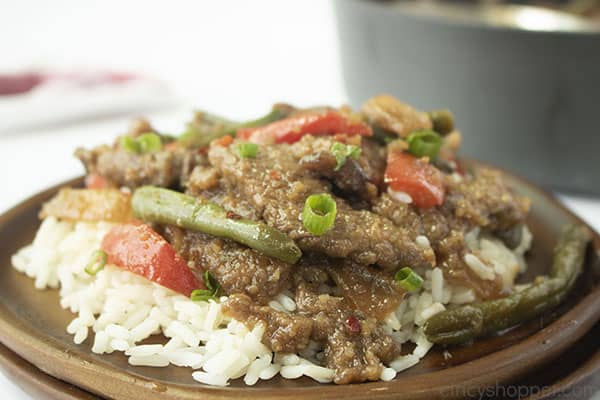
(36, 382)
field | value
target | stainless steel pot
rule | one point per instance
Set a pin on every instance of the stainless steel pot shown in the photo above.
(523, 82)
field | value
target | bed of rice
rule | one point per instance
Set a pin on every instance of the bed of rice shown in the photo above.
(116, 310)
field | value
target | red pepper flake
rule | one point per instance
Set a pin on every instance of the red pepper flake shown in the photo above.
(232, 215)
(353, 324)
(225, 141)
(274, 175)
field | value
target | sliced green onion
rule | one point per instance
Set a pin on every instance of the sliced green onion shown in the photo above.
(201, 295)
(408, 279)
(424, 143)
(211, 283)
(247, 150)
(342, 152)
(212, 291)
(129, 144)
(97, 262)
(319, 213)
(149, 142)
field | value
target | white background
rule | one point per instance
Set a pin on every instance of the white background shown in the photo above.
(231, 57)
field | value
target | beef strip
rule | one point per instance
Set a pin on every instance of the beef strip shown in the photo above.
(283, 332)
(356, 178)
(389, 113)
(366, 289)
(375, 158)
(237, 268)
(351, 179)
(483, 199)
(202, 178)
(277, 186)
(165, 168)
(223, 194)
(355, 346)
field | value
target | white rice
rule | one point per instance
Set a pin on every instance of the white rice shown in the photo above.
(116, 310)
(422, 241)
(400, 196)
(490, 257)
(462, 295)
(482, 270)
(437, 285)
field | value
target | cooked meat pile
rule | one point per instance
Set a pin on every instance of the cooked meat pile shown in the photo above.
(373, 235)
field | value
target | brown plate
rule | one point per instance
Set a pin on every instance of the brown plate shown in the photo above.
(37, 383)
(33, 325)
(576, 377)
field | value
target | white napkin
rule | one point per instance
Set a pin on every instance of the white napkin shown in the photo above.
(50, 98)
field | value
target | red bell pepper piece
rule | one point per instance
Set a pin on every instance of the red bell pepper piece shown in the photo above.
(416, 177)
(96, 181)
(291, 129)
(139, 249)
(225, 141)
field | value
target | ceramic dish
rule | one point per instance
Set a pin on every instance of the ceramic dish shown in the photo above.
(578, 373)
(32, 325)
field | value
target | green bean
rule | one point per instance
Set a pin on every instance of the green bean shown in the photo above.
(169, 207)
(466, 323)
(442, 120)
(207, 127)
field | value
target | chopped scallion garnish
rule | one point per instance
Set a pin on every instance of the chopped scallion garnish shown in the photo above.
(145, 143)
(424, 143)
(211, 283)
(129, 144)
(149, 142)
(408, 279)
(247, 150)
(342, 152)
(212, 291)
(201, 295)
(97, 262)
(319, 213)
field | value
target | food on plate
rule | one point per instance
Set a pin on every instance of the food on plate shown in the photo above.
(313, 242)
